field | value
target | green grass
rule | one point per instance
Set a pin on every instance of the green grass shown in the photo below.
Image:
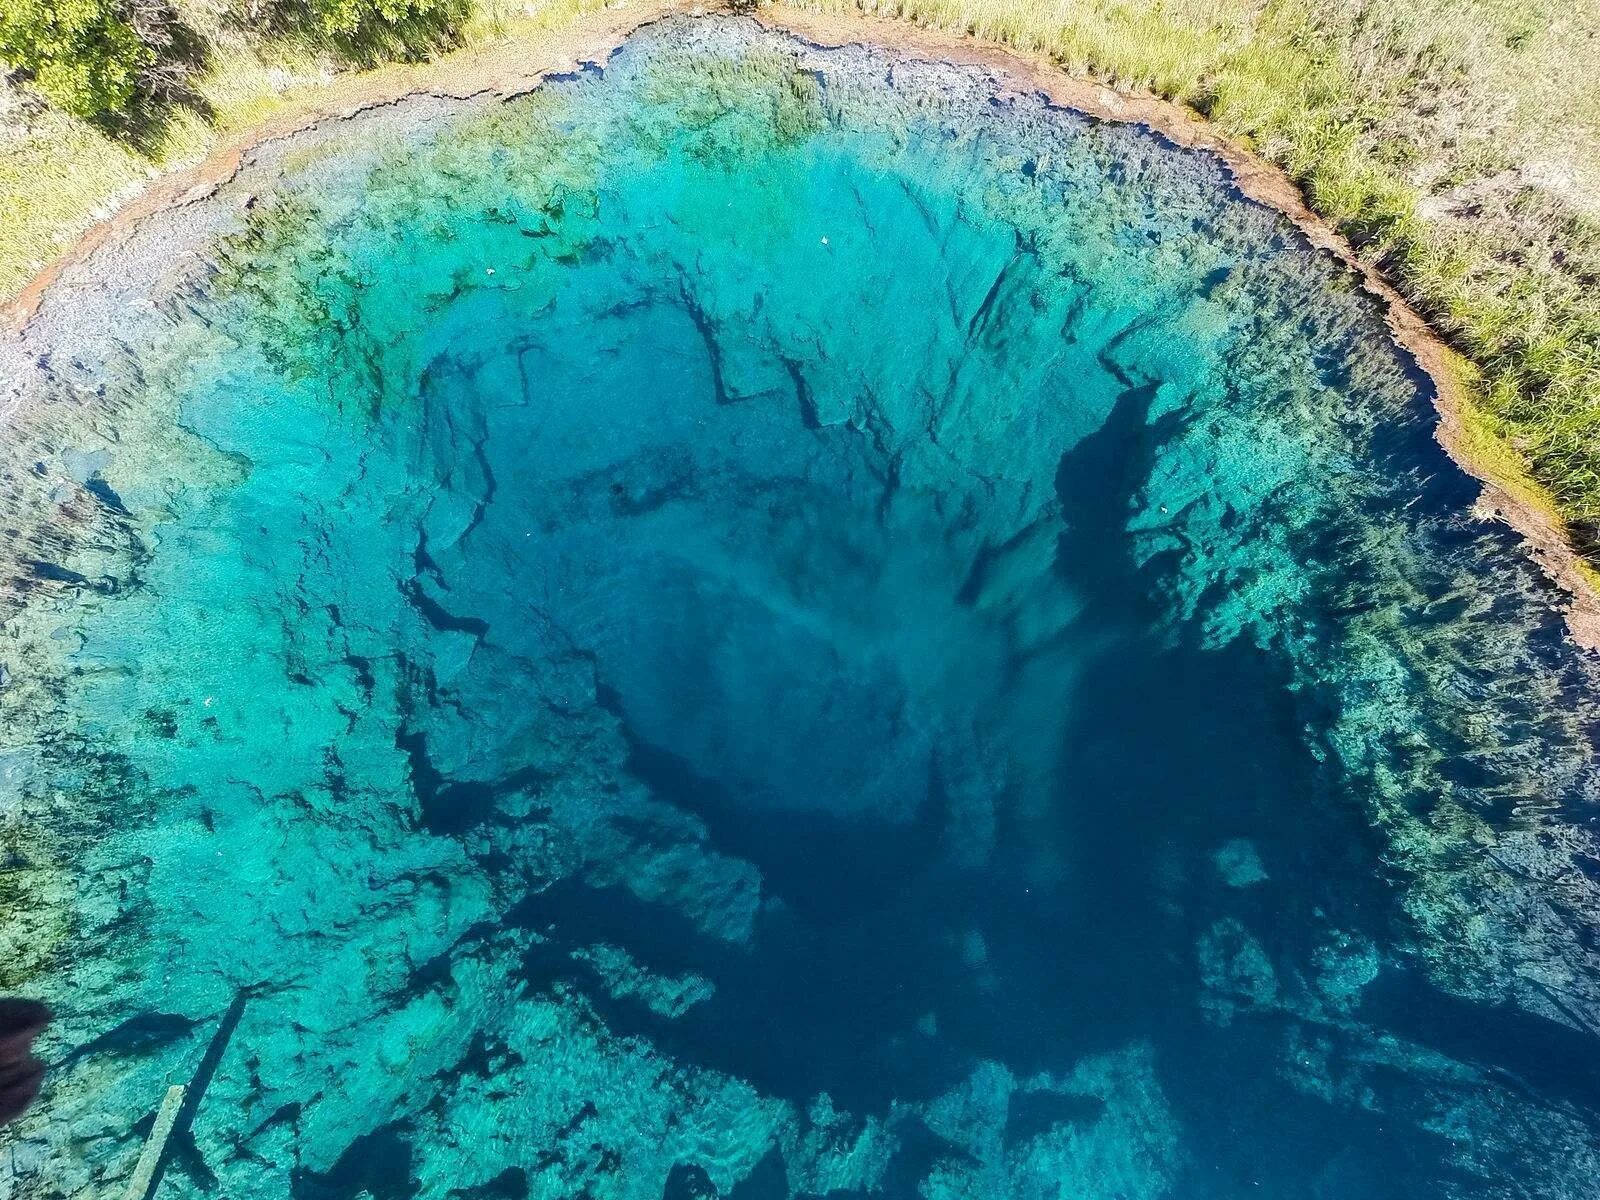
(1455, 142)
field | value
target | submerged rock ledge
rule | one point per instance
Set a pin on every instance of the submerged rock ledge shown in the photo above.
(639, 731)
(503, 71)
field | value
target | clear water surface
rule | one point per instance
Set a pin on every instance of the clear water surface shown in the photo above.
(772, 622)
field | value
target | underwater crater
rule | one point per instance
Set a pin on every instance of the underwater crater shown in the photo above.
(774, 621)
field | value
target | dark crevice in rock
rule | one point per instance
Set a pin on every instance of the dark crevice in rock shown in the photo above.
(440, 617)
(809, 417)
(423, 561)
(768, 1180)
(979, 326)
(480, 454)
(510, 1184)
(689, 1181)
(708, 336)
(451, 807)
(102, 491)
(1535, 1055)
(55, 573)
(376, 1165)
(920, 1150)
(185, 1154)
(1032, 1113)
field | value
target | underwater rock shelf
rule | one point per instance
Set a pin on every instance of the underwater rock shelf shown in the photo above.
(773, 621)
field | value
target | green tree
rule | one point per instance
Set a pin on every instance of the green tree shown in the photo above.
(353, 18)
(363, 30)
(83, 56)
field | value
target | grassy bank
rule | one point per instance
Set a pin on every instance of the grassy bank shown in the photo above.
(1456, 142)
(58, 174)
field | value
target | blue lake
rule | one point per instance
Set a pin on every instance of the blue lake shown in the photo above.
(777, 622)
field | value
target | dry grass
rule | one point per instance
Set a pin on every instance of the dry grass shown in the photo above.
(1457, 142)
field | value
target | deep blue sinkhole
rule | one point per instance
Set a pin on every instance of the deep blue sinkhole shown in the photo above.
(776, 622)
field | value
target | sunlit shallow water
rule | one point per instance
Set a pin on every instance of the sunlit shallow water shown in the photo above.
(777, 622)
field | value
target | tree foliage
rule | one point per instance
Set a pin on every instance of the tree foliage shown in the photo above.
(98, 58)
(353, 18)
(84, 56)
(363, 30)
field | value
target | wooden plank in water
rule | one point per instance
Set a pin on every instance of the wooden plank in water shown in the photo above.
(144, 1172)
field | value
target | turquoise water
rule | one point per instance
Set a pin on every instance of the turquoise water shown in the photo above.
(772, 622)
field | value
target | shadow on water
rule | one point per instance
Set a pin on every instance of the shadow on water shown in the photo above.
(21, 1072)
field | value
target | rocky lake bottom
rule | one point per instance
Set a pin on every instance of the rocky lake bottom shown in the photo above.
(769, 621)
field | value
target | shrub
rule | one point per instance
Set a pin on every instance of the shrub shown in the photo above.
(383, 28)
(176, 50)
(363, 30)
(83, 56)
